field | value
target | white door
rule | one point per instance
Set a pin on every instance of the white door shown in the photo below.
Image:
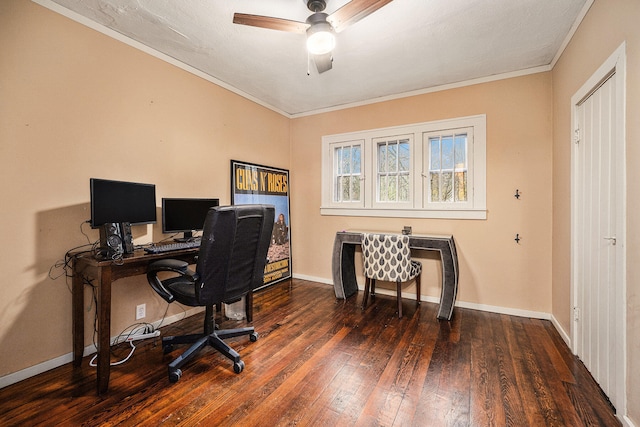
(598, 235)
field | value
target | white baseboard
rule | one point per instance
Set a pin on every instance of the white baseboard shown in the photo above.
(313, 279)
(32, 371)
(473, 306)
(463, 304)
(562, 332)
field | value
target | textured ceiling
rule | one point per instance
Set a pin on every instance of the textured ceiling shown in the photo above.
(407, 46)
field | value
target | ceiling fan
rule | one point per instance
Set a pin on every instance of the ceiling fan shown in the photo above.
(319, 27)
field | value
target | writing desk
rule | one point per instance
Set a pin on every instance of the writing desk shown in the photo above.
(106, 272)
(344, 274)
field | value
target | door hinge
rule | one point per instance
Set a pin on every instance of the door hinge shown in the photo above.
(576, 314)
(576, 136)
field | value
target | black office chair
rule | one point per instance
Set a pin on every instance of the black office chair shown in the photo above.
(230, 265)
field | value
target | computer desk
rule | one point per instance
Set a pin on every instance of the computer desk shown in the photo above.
(106, 272)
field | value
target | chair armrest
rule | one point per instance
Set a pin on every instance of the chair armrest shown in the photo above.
(172, 265)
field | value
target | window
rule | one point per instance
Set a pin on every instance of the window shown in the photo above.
(393, 170)
(424, 170)
(348, 170)
(448, 168)
(449, 156)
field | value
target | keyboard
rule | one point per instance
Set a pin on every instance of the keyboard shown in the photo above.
(170, 247)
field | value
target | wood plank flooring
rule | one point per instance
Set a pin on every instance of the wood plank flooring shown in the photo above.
(324, 362)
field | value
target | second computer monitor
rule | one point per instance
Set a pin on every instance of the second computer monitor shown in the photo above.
(185, 215)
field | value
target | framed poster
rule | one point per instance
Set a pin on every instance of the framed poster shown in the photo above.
(250, 184)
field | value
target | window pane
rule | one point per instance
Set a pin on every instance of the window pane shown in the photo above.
(392, 189)
(435, 186)
(461, 186)
(355, 189)
(461, 151)
(404, 159)
(446, 189)
(383, 194)
(355, 162)
(403, 188)
(346, 160)
(447, 152)
(382, 158)
(392, 157)
(435, 153)
(345, 188)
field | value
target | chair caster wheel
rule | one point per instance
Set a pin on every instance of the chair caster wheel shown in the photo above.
(238, 367)
(174, 376)
(253, 337)
(167, 348)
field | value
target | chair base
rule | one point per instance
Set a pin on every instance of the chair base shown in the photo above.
(370, 289)
(200, 341)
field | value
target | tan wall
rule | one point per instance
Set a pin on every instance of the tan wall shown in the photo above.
(494, 270)
(605, 27)
(76, 104)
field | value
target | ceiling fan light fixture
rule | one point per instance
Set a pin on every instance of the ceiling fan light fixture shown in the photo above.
(321, 38)
(321, 42)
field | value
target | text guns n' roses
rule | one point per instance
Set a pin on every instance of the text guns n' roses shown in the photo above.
(259, 181)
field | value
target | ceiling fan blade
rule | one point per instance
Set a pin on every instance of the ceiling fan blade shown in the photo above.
(271, 23)
(323, 62)
(354, 11)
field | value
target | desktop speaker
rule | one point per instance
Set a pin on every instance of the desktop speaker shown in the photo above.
(127, 238)
(111, 238)
(116, 238)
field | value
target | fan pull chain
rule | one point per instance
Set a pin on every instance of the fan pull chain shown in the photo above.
(308, 66)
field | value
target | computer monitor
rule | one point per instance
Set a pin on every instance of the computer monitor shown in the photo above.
(184, 215)
(122, 202)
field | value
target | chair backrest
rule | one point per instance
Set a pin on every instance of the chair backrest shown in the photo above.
(386, 257)
(233, 252)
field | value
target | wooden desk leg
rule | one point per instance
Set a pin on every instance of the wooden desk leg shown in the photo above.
(77, 301)
(104, 330)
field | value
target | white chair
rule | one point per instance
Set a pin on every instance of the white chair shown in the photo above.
(387, 257)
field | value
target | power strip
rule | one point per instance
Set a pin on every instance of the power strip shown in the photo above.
(143, 336)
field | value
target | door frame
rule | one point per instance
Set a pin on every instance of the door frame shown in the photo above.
(615, 64)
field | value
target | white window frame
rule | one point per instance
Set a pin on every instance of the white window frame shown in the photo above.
(426, 196)
(419, 205)
(329, 175)
(375, 199)
(351, 144)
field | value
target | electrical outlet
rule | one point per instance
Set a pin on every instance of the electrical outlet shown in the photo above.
(141, 311)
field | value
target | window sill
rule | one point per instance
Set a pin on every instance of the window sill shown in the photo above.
(406, 213)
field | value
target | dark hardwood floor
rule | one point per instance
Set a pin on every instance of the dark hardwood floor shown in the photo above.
(324, 362)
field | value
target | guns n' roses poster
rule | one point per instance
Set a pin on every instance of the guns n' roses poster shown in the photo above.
(251, 183)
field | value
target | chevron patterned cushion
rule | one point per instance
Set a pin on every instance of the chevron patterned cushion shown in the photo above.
(388, 257)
